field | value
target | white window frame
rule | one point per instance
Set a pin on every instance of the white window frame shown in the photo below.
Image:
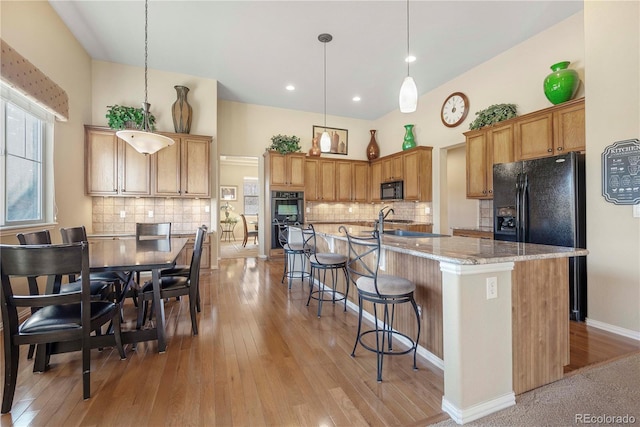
(9, 95)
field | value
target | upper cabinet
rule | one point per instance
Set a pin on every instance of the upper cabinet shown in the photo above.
(330, 180)
(551, 131)
(486, 147)
(416, 164)
(392, 168)
(285, 172)
(182, 169)
(113, 167)
(319, 180)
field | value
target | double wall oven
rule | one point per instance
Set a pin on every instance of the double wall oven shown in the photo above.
(286, 206)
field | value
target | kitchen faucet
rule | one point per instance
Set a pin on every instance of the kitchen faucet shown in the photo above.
(381, 217)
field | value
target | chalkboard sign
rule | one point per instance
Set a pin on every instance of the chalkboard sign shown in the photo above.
(621, 172)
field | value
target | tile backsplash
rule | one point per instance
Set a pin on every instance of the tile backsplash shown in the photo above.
(185, 215)
(316, 211)
(486, 213)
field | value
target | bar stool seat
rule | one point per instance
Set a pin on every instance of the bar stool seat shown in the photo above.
(295, 251)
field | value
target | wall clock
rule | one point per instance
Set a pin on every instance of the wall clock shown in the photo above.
(454, 109)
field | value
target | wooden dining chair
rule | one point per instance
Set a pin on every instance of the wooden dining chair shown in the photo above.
(248, 233)
(151, 230)
(60, 318)
(176, 286)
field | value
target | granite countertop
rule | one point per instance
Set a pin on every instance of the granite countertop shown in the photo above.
(475, 228)
(459, 250)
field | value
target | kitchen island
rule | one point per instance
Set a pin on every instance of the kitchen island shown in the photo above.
(495, 315)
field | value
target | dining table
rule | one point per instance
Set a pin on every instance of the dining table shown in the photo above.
(128, 255)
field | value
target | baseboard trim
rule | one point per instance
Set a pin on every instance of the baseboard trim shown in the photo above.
(628, 333)
(477, 411)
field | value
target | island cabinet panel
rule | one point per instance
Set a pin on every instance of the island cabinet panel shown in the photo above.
(113, 167)
(285, 172)
(540, 322)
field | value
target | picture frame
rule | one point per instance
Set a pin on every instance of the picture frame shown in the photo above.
(228, 192)
(339, 138)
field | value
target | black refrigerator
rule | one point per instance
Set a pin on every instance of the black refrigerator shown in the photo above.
(543, 201)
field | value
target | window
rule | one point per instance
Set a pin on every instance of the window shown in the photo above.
(25, 160)
(250, 191)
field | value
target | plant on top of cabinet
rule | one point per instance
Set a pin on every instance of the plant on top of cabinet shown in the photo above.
(122, 117)
(285, 144)
(494, 114)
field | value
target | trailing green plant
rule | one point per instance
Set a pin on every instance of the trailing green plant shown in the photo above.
(494, 114)
(120, 117)
(284, 144)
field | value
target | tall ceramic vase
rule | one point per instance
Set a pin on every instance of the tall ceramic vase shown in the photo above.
(181, 111)
(373, 151)
(409, 140)
(562, 84)
(314, 151)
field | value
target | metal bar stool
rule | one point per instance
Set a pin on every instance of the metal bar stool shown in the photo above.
(380, 290)
(320, 263)
(295, 251)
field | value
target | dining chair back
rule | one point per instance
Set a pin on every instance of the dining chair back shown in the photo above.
(62, 317)
(177, 285)
(247, 232)
(35, 238)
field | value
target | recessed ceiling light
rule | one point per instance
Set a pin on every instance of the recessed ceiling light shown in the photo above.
(356, 98)
(290, 87)
(410, 58)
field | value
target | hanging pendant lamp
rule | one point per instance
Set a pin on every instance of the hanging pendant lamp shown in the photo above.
(325, 139)
(145, 141)
(408, 98)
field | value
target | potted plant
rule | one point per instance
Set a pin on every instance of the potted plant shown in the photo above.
(494, 114)
(284, 144)
(123, 117)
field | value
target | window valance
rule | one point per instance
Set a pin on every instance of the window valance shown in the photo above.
(25, 77)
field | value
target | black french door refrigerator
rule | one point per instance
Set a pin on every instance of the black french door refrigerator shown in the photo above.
(543, 201)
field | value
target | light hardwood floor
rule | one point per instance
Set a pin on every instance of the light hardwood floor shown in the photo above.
(262, 358)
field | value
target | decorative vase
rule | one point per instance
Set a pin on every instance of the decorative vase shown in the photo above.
(181, 111)
(409, 140)
(226, 214)
(561, 85)
(315, 149)
(373, 151)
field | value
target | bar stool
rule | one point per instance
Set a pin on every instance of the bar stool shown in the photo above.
(380, 290)
(320, 263)
(295, 250)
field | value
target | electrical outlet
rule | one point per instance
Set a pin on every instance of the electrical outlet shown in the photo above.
(207, 208)
(123, 214)
(427, 210)
(350, 210)
(492, 287)
(150, 214)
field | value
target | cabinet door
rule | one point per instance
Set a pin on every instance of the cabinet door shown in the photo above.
(296, 170)
(166, 164)
(499, 150)
(360, 174)
(569, 129)
(195, 167)
(376, 180)
(136, 168)
(344, 181)
(311, 180)
(327, 181)
(277, 170)
(412, 176)
(534, 137)
(101, 163)
(476, 165)
(392, 168)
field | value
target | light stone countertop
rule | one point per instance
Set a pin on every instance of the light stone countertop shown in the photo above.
(459, 250)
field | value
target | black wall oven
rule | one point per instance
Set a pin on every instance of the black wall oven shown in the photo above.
(286, 206)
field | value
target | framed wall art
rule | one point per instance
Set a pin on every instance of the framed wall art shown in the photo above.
(228, 192)
(339, 138)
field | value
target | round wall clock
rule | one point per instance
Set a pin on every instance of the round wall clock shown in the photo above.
(454, 109)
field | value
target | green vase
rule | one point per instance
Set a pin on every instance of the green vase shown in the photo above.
(409, 140)
(561, 85)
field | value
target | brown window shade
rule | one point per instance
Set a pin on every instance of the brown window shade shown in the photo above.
(25, 77)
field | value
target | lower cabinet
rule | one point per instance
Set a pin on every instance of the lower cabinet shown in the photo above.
(184, 258)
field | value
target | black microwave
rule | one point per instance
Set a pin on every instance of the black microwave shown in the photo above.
(392, 190)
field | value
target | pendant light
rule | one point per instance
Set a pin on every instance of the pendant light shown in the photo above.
(145, 141)
(408, 98)
(325, 139)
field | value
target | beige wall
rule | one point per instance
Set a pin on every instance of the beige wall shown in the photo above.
(612, 45)
(461, 211)
(34, 30)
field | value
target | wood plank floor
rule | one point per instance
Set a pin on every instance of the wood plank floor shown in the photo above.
(262, 358)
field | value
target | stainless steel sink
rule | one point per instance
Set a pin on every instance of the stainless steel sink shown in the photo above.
(407, 233)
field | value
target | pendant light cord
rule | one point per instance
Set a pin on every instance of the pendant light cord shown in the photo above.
(407, 59)
(325, 86)
(145, 119)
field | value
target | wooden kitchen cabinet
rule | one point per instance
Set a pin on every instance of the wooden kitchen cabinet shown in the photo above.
(486, 147)
(351, 181)
(360, 180)
(376, 180)
(285, 172)
(417, 174)
(113, 167)
(182, 169)
(392, 168)
(551, 131)
(320, 180)
(184, 257)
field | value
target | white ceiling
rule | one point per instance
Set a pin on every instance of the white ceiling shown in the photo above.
(255, 48)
